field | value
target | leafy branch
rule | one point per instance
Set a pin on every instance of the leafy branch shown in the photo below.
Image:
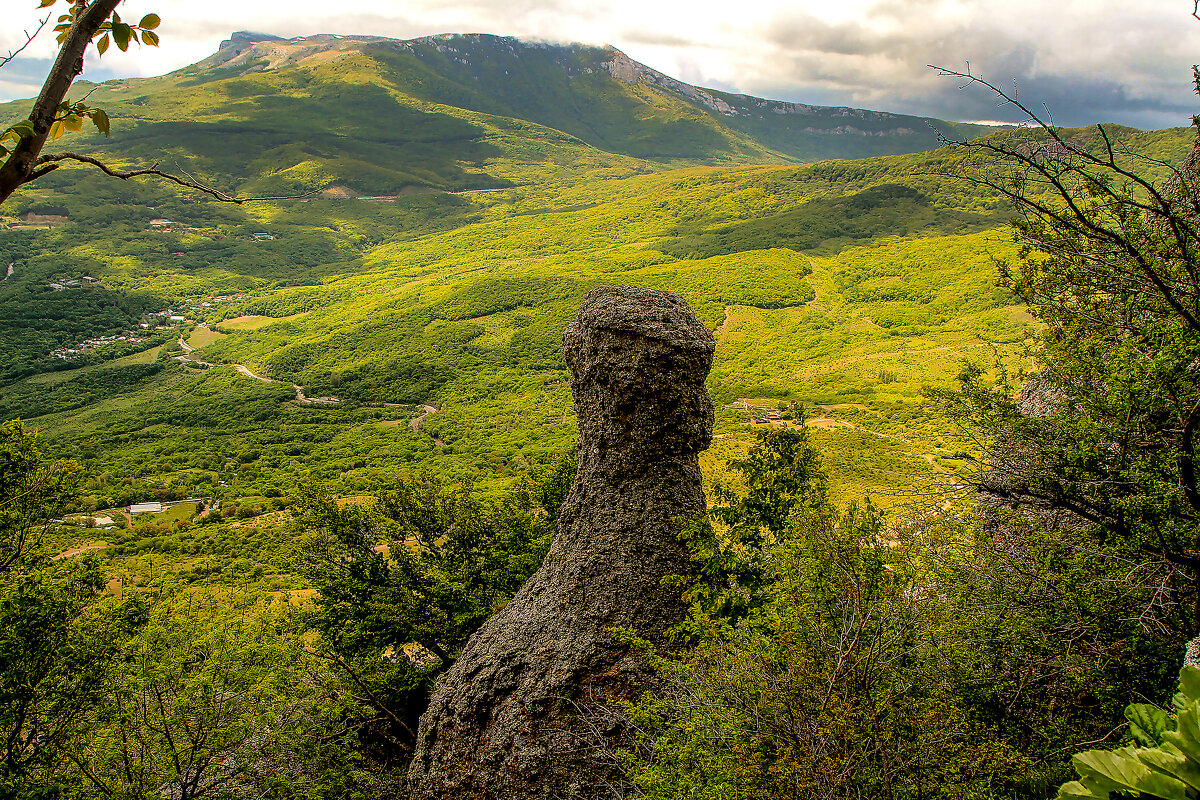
(53, 115)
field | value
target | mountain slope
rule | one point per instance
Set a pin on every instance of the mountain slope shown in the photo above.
(606, 98)
(382, 117)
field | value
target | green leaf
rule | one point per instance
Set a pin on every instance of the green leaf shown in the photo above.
(56, 131)
(100, 120)
(150, 38)
(149, 22)
(23, 128)
(1077, 791)
(1169, 761)
(1148, 723)
(121, 34)
(1189, 684)
(1120, 771)
(1186, 736)
(102, 45)
(47, 3)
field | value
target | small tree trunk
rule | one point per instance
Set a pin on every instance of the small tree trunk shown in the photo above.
(22, 165)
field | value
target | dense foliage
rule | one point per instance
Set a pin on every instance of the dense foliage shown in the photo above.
(1104, 431)
(851, 653)
(404, 578)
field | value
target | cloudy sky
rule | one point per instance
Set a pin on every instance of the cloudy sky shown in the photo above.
(1085, 60)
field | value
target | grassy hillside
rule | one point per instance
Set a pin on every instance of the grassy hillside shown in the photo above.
(844, 287)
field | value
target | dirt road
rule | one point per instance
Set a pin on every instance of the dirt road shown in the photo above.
(416, 421)
(301, 397)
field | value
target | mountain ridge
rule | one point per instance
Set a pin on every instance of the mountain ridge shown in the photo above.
(466, 111)
(251, 49)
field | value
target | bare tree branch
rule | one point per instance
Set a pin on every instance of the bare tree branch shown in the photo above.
(29, 37)
(50, 163)
(1060, 166)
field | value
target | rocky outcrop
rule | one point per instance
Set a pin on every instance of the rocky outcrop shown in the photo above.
(625, 69)
(511, 718)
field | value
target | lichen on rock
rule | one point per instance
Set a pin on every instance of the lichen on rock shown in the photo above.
(509, 719)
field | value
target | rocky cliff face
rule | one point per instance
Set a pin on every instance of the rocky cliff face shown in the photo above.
(510, 719)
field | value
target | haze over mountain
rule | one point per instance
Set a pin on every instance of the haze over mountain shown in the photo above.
(462, 111)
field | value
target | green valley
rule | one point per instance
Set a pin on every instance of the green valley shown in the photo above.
(354, 385)
(847, 286)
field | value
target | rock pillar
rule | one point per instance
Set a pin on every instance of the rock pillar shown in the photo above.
(510, 719)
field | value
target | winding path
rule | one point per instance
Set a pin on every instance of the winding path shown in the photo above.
(826, 421)
(242, 368)
(301, 397)
(416, 421)
(328, 400)
(83, 548)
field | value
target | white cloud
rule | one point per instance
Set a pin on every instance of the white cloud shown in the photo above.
(1098, 59)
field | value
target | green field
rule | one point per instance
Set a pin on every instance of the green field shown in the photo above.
(247, 322)
(201, 337)
(470, 321)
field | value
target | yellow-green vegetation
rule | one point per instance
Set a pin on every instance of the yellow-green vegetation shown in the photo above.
(247, 322)
(464, 311)
(843, 287)
(368, 454)
(144, 357)
(203, 336)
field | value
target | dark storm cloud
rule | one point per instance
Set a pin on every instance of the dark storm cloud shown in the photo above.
(799, 31)
(1087, 61)
(856, 63)
(1072, 102)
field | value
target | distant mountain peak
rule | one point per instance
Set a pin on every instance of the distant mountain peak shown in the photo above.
(247, 37)
(580, 89)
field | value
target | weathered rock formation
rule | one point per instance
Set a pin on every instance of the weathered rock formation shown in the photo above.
(510, 719)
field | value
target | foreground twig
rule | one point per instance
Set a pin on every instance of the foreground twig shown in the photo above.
(29, 37)
(50, 163)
